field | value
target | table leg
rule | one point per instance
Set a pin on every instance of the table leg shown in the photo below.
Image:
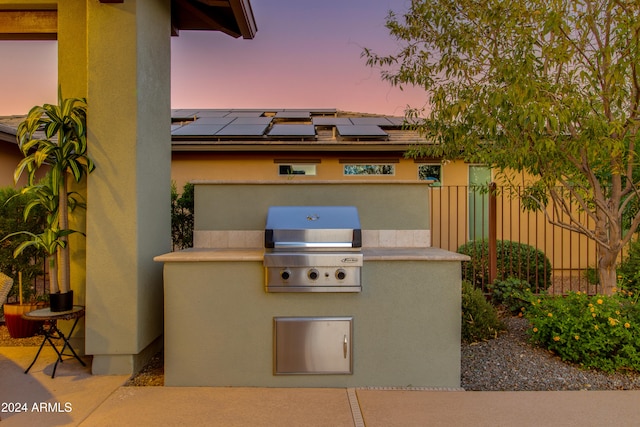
(44, 340)
(54, 332)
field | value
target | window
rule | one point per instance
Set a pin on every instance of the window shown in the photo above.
(296, 169)
(365, 169)
(431, 172)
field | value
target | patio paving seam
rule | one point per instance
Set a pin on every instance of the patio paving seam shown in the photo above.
(409, 388)
(356, 413)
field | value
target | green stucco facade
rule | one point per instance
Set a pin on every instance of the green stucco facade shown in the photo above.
(118, 56)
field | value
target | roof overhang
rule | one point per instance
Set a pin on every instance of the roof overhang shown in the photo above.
(38, 19)
(232, 17)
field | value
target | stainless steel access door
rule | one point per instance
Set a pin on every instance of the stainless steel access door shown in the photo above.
(313, 345)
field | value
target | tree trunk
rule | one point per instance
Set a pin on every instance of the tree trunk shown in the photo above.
(607, 270)
(63, 223)
(53, 274)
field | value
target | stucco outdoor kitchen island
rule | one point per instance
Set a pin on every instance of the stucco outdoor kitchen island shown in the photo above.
(219, 320)
(225, 327)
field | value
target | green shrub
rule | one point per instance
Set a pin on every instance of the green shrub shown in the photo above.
(629, 269)
(480, 319)
(513, 259)
(29, 263)
(599, 331)
(514, 294)
(182, 206)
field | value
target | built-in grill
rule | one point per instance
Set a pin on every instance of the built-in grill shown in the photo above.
(313, 249)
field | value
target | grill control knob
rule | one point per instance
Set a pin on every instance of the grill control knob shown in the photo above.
(285, 274)
(340, 274)
(313, 274)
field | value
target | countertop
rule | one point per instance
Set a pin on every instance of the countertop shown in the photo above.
(256, 254)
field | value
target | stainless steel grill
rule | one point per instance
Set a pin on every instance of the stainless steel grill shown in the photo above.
(313, 249)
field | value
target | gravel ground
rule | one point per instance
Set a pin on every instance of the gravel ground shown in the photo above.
(510, 363)
(507, 363)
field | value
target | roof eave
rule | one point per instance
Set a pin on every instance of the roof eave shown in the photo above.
(232, 17)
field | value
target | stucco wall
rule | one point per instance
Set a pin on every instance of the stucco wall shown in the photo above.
(219, 325)
(128, 220)
(243, 206)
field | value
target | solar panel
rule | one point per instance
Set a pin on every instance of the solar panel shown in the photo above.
(213, 113)
(243, 130)
(213, 120)
(197, 130)
(293, 130)
(184, 113)
(396, 121)
(330, 121)
(252, 120)
(246, 113)
(373, 121)
(361, 131)
(295, 114)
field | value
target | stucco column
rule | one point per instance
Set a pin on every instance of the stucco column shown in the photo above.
(128, 220)
(72, 78)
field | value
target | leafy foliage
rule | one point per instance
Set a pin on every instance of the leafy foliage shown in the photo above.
(182, 216)
(629, 269)
(549, 88)
(514, 294)
(514, 259)
(55, 136)
(13, 204)
(598, 331)
(480, 319)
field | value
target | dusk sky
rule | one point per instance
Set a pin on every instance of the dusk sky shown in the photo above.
(305, 55)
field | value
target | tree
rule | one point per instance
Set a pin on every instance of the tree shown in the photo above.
(182, 206)
(55, 136)
(547, 88)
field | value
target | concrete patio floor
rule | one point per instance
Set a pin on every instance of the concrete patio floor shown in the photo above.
(77, 398)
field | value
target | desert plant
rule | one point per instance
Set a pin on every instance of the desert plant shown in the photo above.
(514, 259)
(598, 331)
(480, 319)
(55, 136)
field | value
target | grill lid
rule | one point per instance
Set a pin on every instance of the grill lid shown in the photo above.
(300, 227)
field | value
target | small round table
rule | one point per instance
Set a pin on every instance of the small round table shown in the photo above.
(50, 331)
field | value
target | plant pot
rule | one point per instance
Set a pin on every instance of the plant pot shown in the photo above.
(16, 325)
(61, 301)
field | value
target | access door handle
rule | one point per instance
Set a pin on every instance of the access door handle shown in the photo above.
(345, 346)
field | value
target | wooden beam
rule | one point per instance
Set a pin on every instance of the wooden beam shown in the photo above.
(244, 17)
(28, 24)
(204, 20)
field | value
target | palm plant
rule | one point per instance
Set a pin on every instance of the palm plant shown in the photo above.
(52, 238)
(49, 241)
(55, 136)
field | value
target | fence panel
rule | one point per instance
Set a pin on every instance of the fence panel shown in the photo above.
(454, 216)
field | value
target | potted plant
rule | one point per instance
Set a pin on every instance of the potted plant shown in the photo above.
(16, 325)
(54, 136)
(19, 299)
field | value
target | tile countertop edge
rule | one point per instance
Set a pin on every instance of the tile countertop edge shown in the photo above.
(370, 254)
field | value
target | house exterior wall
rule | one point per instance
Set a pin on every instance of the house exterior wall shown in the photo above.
(10, 155)
(252, 166)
